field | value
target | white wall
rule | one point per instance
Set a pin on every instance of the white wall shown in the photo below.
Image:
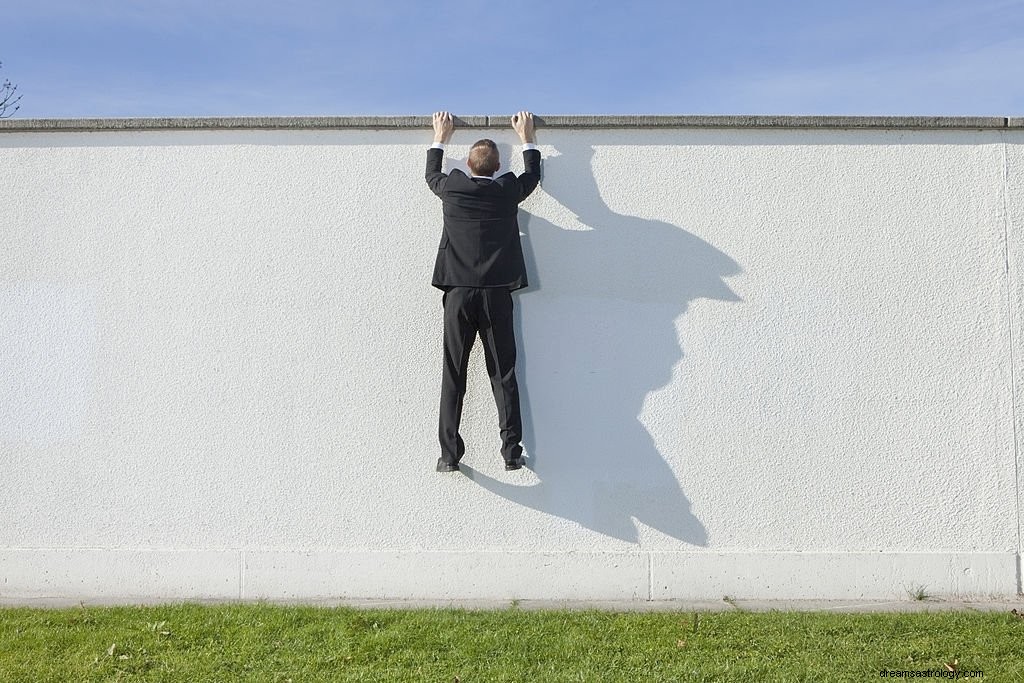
(755, 362)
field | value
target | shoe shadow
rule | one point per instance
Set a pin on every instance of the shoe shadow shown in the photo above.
(597, 334)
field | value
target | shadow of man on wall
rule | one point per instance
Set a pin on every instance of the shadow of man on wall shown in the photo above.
(598, 324)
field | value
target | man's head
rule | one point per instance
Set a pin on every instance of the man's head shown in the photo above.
(483, 158)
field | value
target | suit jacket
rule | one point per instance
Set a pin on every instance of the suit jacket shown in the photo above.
(480, 244)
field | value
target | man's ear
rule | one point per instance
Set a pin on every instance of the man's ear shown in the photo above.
(498, 167)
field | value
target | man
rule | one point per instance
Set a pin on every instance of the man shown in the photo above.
(479, 264)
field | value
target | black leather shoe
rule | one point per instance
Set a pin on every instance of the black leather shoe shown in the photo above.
(514, 464)
(443, 466)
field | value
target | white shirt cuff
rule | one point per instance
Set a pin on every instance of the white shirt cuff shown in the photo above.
(529, 145)
(437, 145)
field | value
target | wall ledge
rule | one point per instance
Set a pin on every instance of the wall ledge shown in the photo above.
(500, 121)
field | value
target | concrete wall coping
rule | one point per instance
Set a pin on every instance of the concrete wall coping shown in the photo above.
(501, 121)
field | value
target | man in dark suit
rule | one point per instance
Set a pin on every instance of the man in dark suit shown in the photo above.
(479, 264)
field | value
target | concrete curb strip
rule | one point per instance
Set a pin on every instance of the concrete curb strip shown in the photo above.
(723, 605)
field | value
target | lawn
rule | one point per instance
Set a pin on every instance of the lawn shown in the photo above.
(263, 642)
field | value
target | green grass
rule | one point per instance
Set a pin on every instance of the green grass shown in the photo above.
(261, 642)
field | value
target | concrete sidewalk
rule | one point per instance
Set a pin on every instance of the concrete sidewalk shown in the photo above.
(722, 605)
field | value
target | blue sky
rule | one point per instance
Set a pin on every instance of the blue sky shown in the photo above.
(211, 58)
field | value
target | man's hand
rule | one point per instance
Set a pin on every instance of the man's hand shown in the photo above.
(443, 126)
(522, 123)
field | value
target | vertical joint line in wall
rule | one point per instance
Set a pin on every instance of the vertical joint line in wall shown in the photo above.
(1009, 314)
(650, 576)
(241, 574)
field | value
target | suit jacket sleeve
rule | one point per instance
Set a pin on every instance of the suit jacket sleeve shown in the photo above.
(435, 178)
(531, 176)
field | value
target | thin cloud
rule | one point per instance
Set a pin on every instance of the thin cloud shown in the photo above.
(968, 82)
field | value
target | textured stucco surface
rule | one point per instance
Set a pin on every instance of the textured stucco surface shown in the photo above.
(1013, 216)
(772, 350)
